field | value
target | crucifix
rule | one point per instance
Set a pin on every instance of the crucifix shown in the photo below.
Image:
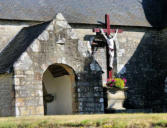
(110, 41)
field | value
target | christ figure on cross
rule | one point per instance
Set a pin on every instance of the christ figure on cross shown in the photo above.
(110, 41)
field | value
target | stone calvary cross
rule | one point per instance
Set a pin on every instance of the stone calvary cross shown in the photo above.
(108, 31)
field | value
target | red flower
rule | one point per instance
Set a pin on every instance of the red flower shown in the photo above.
(124, 80)
(111, 85)
(113, 80)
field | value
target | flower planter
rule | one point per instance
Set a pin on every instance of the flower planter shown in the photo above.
(116, 98)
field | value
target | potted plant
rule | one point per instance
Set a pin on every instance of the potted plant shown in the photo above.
(116, 93)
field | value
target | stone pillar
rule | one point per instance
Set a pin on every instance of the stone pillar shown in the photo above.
(28, 89)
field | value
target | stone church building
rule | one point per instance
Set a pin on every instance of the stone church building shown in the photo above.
(48, 65)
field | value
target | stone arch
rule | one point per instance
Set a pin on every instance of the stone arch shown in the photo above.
(59, 90)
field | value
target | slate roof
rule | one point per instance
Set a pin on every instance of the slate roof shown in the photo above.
(123, 12)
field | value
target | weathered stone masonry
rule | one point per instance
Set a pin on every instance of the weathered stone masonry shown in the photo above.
(140, 58)
(57, 44)
(142, 63)
(7, 90)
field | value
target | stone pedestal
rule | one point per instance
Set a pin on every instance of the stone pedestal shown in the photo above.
(115, 99)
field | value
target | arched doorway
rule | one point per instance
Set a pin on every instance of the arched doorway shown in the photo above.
(58, 85)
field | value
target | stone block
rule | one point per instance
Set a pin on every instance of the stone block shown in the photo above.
(20, 102)
(37, 76)
(44, 36)
(31, 110)
(17, 81)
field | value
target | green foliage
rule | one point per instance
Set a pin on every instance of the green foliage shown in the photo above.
(8, 125)
(160, 124)
(119, 83)
(78, 124)
(85, 121)
(101, 122)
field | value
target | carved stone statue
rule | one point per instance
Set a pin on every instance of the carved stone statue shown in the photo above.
(110, 41)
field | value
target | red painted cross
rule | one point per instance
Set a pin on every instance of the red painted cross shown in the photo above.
(108, 31)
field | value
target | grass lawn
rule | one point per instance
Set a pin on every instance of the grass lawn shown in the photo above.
(88, 121)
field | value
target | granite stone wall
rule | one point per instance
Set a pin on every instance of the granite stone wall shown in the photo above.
(8, 31)
(56, 44)
(141, 59)
(31, 49)
(135, 63)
